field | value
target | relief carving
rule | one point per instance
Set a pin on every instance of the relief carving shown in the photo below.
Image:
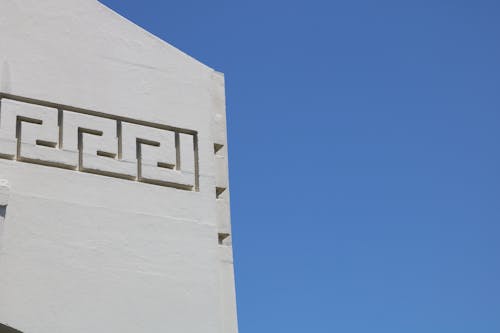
(64, 137)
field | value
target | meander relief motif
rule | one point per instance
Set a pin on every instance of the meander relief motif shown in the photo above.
(64, 137)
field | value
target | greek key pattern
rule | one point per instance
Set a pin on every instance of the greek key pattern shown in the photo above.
(64, 137)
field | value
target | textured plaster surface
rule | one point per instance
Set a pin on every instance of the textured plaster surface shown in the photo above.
(114, 199)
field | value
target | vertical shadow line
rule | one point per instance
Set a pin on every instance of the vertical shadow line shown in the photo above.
(60, 124)
(196, 164)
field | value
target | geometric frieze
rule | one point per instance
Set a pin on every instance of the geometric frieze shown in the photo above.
(93, 142)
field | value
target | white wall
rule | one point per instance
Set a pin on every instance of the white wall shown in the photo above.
(86, 245)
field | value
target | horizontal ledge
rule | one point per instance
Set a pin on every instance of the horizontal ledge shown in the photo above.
(96, 113)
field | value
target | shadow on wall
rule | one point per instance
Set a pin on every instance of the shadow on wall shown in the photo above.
(3, 211)
(7, 329)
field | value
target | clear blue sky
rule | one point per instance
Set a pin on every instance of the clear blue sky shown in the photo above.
(364, 156)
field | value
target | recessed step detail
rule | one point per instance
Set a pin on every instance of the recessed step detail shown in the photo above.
(217, 147)
(222, 238)
(219, 191)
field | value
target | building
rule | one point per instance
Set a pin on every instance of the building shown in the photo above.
(114, 198)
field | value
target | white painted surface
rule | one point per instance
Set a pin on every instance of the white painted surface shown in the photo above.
(95, 240)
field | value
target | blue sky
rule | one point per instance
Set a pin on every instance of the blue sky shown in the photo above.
(364, 156)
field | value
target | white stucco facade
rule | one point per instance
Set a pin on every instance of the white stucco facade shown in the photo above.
(114, 194)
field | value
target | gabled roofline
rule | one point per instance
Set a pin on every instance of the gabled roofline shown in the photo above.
(168, 44)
